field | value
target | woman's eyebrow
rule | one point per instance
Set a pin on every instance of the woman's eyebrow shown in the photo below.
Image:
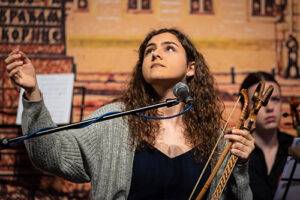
(163, 43)
(170, 42)
(150, 44)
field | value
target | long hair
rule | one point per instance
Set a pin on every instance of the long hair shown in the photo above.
(202, 124)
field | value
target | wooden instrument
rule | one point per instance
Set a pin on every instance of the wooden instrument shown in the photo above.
(260, 98)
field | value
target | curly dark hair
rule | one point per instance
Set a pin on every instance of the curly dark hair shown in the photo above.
(202, 124)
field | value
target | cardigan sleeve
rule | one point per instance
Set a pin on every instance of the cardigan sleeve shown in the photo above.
(71, 154)
(239, 187)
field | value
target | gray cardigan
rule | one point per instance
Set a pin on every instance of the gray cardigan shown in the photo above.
(100, 153)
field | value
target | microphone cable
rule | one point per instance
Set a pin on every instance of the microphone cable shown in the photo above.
(187, 108)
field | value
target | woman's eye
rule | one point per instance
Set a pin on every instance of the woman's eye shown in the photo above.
(149, 51)
(275, 99)
(170, 48)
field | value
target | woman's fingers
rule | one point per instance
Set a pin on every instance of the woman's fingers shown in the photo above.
(238, 138)
(243, 156)
(239, 146)
(14, 50)
(13, 65)
(241, 132)
(242, 143)
(15, 77)
(13, 57)
(16, 55)
(24, 57)
(12, 74)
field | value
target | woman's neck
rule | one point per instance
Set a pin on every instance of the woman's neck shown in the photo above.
(169, 111)
(266, 139)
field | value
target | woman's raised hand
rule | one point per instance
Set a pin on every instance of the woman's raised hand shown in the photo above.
(22, 73)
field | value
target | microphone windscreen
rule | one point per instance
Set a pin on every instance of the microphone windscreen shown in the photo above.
(181, 91)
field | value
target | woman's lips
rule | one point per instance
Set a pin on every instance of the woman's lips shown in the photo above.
(270, 119)
(156, 65)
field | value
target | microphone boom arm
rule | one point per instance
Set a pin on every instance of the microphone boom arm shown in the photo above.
(9, 142)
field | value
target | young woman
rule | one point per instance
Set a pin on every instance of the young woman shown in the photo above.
(132, 157)
(271, 145)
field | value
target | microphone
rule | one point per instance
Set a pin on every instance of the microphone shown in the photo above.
(182, 92)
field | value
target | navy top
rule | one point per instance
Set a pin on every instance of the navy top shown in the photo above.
(157, 176)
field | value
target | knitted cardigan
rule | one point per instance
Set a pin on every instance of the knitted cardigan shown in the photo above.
(100, 153)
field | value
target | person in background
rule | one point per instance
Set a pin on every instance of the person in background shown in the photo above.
(131, 157)
(271, 145)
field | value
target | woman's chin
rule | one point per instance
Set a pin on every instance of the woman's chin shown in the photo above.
(271, 126)
(164, 80)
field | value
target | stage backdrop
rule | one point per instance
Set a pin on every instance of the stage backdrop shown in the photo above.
(98, 41)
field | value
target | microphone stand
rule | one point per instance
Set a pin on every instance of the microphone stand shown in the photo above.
(9, 142)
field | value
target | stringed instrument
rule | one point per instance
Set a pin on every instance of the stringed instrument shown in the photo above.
(247, 119)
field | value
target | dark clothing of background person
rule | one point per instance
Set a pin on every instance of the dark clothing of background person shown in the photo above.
(264, 185)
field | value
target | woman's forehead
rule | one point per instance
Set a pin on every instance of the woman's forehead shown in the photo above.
(164, 37)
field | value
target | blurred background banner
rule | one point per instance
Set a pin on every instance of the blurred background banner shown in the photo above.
(97, 41)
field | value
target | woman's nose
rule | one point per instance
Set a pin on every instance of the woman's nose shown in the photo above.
(155, 55)
(270, 107)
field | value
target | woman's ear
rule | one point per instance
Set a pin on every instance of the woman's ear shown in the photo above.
(190, 69)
